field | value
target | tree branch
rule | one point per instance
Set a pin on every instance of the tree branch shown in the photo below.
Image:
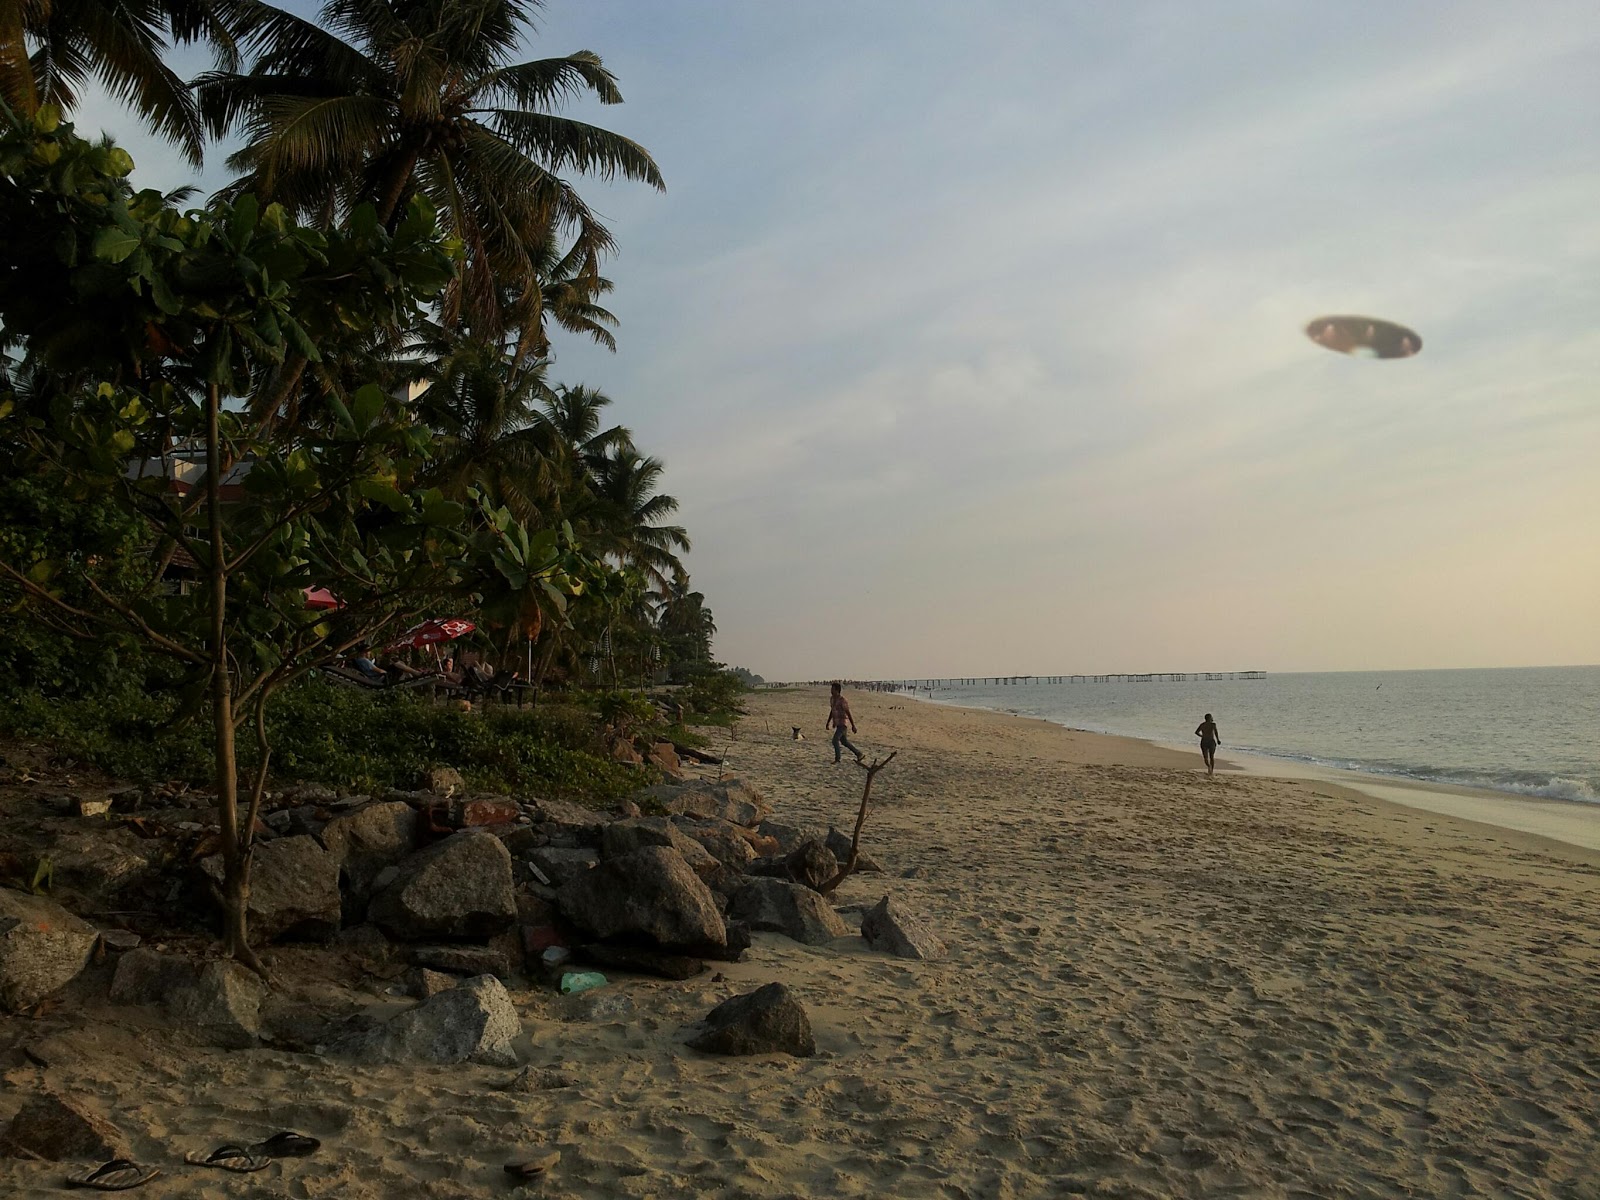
(861, 817)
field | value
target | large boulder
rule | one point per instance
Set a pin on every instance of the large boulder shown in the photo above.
(456, 889)
(768, 1020)
(366, 841)
(101, 864)
(730, 800)
(294, 890)
(621, 838)
(812, 864)
(642, 961)
(788, 836)
(52, 1127)
(889, 927)
(839, 846)
(649, 897)
(792, 909)
(723, 840)
(558, 864)
(464, 960)
(474, 1021)
(219, 1000)
(42, 948)
(223, 1006)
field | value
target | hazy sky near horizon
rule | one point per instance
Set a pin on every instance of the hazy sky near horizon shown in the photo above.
(971, 334)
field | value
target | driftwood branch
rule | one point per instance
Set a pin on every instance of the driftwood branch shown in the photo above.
(861, 819)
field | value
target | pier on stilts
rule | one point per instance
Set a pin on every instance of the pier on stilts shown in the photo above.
(1023, 680)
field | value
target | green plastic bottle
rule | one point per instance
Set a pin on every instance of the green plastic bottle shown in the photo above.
(581, 981)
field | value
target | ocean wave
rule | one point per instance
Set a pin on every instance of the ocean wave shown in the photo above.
(1517, 783)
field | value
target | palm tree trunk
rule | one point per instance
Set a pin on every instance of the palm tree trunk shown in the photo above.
(395, 187)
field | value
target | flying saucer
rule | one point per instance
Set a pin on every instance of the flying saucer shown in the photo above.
(1366, 337)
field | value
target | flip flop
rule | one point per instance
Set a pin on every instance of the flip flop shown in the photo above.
(229, 1158)
(286, 1145)
(534, 1168)
(118, 1175)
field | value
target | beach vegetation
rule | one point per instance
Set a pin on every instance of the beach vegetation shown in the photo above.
(332, 379)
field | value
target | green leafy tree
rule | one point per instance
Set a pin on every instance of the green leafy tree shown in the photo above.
(149, 321)
(378, 102)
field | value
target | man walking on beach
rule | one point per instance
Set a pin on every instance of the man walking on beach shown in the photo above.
(1210, 739)
(838, 714)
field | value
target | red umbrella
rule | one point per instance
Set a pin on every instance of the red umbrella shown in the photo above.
(322, 598)
(430, 632)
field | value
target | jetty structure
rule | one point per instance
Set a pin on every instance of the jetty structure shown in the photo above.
(1020, 680)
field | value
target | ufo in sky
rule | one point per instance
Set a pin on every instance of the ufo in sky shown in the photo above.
(1364, 337)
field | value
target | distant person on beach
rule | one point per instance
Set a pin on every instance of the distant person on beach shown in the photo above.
(1209, 740)
(838, 714)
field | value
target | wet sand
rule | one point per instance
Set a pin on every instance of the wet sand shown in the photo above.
(1158, 985)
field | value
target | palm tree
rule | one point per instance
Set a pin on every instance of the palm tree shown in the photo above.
(491, 425)
(574, 414)
(685, 621)
(50, 48)
(387, 99)
(624, 519)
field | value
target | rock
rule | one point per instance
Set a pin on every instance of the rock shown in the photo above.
(145, 976)
(888, 926)
(648, 897)
(723, 840)
(539, 1079)
(92, 806)
(627, 810)
(100, 866)
(219, 1000)
(42, 948)
(812, 864)
(120, 939)
(368, 841)
(566, 824)
(730, 800)
(778, 906)
(445, 781)
(839, 846)
(464, 960)
(366, 942)
(769, 868)
(789, 837)
(423, 984)
(624, 837)
(559, 865)
(458, 888)
(307, 793)
(223, 1006)
(51, 1127)
(768, 1020)
(642, 961)
(294, 890)
(665, 756)
(534, 910)
(623, 752)
(474, 1021)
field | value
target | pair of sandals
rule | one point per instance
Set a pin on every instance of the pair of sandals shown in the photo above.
(121, 1174)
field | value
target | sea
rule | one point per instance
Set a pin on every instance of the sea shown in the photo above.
(1529, 731)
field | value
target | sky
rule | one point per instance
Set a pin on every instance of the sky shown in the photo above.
(971, 335)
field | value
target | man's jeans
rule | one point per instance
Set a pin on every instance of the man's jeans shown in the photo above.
(839, 739)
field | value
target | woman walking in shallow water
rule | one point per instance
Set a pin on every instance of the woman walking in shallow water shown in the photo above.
(1209, 740)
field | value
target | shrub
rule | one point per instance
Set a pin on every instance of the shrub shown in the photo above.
(323, 733)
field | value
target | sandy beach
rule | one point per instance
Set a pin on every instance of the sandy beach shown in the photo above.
(1158, 985)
